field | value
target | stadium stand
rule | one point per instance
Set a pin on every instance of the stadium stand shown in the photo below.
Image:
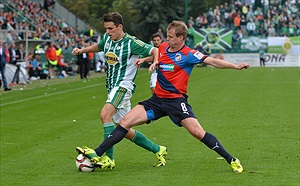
(276, 18)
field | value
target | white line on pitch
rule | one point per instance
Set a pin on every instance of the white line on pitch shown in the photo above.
(47, 95)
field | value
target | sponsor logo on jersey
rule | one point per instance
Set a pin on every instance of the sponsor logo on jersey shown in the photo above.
(111, 58)
(168, 67)
(178, 57)
(198, 55)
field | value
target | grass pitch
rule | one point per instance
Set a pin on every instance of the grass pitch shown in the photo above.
(254, 113)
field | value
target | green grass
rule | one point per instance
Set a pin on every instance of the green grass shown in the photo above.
(254, 113)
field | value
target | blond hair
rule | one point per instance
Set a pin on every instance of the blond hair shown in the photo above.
(179, 27)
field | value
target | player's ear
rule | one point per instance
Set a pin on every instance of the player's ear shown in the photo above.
(120, 26)
(181, 37)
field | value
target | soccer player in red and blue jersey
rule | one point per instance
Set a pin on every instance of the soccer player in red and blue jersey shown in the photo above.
(175, 63)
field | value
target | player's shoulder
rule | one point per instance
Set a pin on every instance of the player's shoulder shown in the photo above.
(193, 53)
(163, 45)
(130, 37)
(136, 42)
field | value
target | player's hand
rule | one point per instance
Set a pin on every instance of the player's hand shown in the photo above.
(242, 66)
(138, 62)
(153, 67)
(76, 51)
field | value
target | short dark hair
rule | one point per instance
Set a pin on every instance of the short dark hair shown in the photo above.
(155, 35)
(114, 17)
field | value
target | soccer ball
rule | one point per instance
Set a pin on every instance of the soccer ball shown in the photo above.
(84, 164)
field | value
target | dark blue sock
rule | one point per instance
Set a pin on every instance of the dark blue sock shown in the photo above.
(212, 142)
(116, 136)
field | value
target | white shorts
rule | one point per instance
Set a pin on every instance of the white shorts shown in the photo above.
(153, 78)
(120, 98)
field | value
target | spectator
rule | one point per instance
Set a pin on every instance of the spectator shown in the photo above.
(250, 15)
(199, 47)
(90, 58)
(222, 12)
(235, 39)
(89, 32)
(60, 61)
(257, 26)
(217, 14)
(291, 30)
(51, 58)
(62, 66)
(244, 10)
(12, 54)
(35, 68)
(262, 57)
(191, 22)
(243, 22)
(284, 29)
(2, 67)
(265, 7)
(160, 32)
(5, 46)
(207, 50)
(271, 31)
(237, 22)
(19, 53)
(210, 16)
(82, 62)
(251, 28)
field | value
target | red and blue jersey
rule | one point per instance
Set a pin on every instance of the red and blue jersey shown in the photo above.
(174, 70)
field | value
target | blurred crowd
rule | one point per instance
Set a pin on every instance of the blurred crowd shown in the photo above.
(35, 16)
(38, 17)
(253, 18)
(245, 17)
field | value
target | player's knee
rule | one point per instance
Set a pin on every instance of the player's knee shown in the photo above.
(125, 123)
(105, 116)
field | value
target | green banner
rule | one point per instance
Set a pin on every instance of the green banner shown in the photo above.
(218, 38)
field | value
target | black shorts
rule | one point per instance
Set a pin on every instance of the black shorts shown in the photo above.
(176, 108)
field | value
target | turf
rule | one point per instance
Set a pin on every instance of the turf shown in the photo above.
(254, 113)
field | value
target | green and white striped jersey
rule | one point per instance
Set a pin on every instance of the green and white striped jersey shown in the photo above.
(119, 57)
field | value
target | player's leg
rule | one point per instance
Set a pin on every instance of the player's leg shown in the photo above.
(153, 79)
(195, 129)
(181, 113)
(106, 115)
(133, 118)
(139, 138)
(2, 69)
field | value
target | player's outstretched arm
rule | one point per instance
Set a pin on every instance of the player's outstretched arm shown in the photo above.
(139, 61)
(218, 63)
(93, 48)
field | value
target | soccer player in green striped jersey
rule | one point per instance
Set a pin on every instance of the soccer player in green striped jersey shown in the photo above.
(121, 50)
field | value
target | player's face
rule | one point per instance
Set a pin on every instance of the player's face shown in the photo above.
(113, 31)
(156, 41)
(174, 41)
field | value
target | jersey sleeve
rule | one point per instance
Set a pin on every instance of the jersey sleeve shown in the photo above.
(102, 42)
(141, 48)
(196, 57)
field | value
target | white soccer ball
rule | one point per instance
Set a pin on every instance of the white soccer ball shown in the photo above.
(84, 164)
